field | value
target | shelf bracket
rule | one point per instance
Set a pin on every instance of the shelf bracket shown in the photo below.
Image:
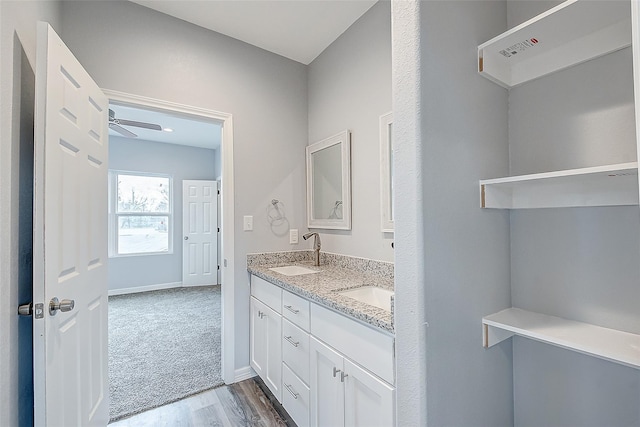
(492, 335)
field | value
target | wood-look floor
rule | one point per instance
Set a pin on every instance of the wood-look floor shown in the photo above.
(240, 404)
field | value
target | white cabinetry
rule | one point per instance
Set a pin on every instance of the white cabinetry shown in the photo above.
(295, 357)
(344, 394)
(265, 334)
(569, 34)
(325, 368)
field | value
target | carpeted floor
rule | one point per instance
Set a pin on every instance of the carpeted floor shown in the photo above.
(163, 346)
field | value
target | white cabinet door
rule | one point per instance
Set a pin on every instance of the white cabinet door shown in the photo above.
(266, 345)
(327, 391)
(272, 375)
(258, 337)
(369, 402)
(71, 384)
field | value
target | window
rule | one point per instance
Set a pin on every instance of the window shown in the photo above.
(140, 220)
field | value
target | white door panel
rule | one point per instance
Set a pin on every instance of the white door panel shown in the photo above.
(200, 229)
(70, 239)
(326, 389)
(369, 401)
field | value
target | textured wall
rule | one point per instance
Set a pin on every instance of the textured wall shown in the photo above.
(350, 88)
(466, 259)
(132, 49)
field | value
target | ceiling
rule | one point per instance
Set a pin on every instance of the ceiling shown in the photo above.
(186, 131)
(296, 29)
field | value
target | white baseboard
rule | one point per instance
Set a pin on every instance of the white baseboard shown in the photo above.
(244, 374)
(136, 289)
(198, 284)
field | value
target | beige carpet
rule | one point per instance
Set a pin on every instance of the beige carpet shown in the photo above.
(163, 346)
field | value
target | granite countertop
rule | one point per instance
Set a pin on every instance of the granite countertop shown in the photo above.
(323, 288)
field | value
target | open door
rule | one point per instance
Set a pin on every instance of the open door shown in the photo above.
(71, 384)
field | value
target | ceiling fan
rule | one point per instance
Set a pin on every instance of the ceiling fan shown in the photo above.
(116, 125)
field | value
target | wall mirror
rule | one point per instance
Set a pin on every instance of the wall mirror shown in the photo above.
(386, 172)
(329, 183)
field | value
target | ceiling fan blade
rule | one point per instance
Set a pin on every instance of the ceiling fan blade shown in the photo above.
(122, 130)
(151, 126)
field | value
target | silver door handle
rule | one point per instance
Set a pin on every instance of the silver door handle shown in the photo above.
(292, 342)
(56, 305)
(335, 371)
(294, 311)
(342, 376)
(290, 390)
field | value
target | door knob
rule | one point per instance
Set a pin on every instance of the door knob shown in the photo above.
(64, 305)
(186, 237)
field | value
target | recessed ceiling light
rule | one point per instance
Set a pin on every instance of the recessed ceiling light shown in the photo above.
(167, 130)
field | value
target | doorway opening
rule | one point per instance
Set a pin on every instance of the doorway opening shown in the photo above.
(150, 181)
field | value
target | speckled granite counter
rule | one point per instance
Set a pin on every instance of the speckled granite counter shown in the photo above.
(337, 273)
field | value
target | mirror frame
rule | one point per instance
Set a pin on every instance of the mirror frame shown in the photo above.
(343, 138)
(386, 198)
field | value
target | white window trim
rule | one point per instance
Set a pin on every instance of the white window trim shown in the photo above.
(113, 215)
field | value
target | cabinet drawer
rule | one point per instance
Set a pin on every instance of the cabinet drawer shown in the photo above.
(368, 347)
(296, 309)
(295, 397)
(266, 292)
(295, 349)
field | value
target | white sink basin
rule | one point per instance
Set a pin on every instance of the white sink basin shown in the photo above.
(293, 270)
(371, 295)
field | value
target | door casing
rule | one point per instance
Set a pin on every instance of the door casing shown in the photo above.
(227, 235)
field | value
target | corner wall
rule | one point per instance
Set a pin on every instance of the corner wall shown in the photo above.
(133, 49)
(350, 88)
(181, 163)
(17, 70)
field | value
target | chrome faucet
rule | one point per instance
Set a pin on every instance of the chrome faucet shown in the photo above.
(316, 246)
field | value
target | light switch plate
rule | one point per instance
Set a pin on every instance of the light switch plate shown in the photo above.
(248, 223)
(293, 236)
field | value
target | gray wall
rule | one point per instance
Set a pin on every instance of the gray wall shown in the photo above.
(181, 163)
(129, 48)
(579, 263)
(350, 88)
(17, 67)
(466, 260)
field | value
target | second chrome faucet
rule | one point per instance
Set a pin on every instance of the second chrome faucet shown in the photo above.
(316, 246)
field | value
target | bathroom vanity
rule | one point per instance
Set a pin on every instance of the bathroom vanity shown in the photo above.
(327, 357)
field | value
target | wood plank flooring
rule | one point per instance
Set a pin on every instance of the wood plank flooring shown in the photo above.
(240, 404)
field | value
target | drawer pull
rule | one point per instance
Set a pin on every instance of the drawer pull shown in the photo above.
(342, 376)
(292, 342)
(291, 309)
(335, 371)
(261, 314)
(290, 390)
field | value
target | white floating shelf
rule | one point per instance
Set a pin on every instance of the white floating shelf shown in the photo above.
(608, 344)
(611, 185)
(569, 34)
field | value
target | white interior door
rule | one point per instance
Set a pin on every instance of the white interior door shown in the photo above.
(200, 232)
(70, 240)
